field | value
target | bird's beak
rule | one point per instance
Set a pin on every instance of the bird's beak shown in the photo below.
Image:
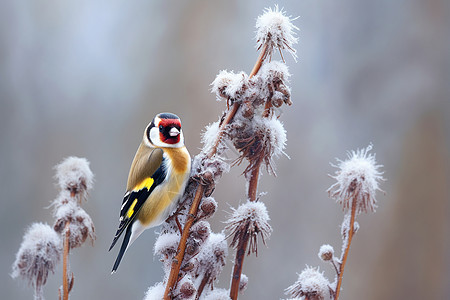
(174, 132)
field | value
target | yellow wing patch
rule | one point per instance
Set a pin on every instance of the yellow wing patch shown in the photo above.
(146, 183)
(130, 211)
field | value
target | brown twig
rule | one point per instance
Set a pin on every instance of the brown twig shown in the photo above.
(347, 248)
(65, 261)
(202, 285)
(252, 191)
(176, 263)
(238, 264)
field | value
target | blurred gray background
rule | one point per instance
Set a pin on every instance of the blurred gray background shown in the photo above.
(84, 78)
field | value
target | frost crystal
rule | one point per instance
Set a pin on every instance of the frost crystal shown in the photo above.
(357, 178)
(311, 284)
(155, 292)
(38, 255)
(276, 29)
(74, 175)
(250, 218)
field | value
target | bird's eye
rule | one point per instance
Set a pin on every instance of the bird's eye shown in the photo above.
(161, 128)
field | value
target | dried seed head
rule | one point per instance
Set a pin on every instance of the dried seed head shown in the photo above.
(74, 176)
(187, 289)
(208, 207)
(80, 223)
(38, 255)
(276, 30)
(229, 85)
(310, 284)
(166, 245)
(251, 219)
(258, 141)
(357, 179)
(200, 231)
(212, 256)
(326, 253)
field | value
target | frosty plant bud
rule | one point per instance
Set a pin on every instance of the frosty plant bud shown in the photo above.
(38, 255)
(74, 175)
(357, 178)
(326, 252)
(276, 30)
(310, 284)
(243, 283)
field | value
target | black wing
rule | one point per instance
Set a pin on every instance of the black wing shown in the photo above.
(133, 200)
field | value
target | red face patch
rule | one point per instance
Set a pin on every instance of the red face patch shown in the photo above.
(164, 127)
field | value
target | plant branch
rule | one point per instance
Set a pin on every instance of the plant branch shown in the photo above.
(202, 285)
(347, 248)
(176, 263)
(238, 264)
(65, 261)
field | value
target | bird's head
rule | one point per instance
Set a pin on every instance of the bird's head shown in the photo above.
(164, 131)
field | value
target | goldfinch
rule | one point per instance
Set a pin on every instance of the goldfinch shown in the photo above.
(158, 175)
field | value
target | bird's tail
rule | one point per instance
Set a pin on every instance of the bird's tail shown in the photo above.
(123, 248)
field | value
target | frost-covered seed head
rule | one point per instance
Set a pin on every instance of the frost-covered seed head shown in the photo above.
(230, 85)
(80, 223)
(208, 207)
(311, 284)
(276, 30)
(155, 292)
(326, 253)
(38, 255)
(357, 179)
(166, 245)
(249, 218)
(200, 230)
(258, 141)
(74, 175)
(211, 258)
(243, 283)
(187, 290)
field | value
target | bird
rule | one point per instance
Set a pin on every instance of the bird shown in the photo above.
(157, 178)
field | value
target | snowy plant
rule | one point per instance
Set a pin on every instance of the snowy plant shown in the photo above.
(192, 255)
(43, 245)
(357, 180)
(38, 255)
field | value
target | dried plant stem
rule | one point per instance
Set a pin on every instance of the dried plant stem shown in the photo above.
(66, 261)
(202, 285)
(347, 248)
(238, 264)
(251, 194)
(253, 184)
(176, 263)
